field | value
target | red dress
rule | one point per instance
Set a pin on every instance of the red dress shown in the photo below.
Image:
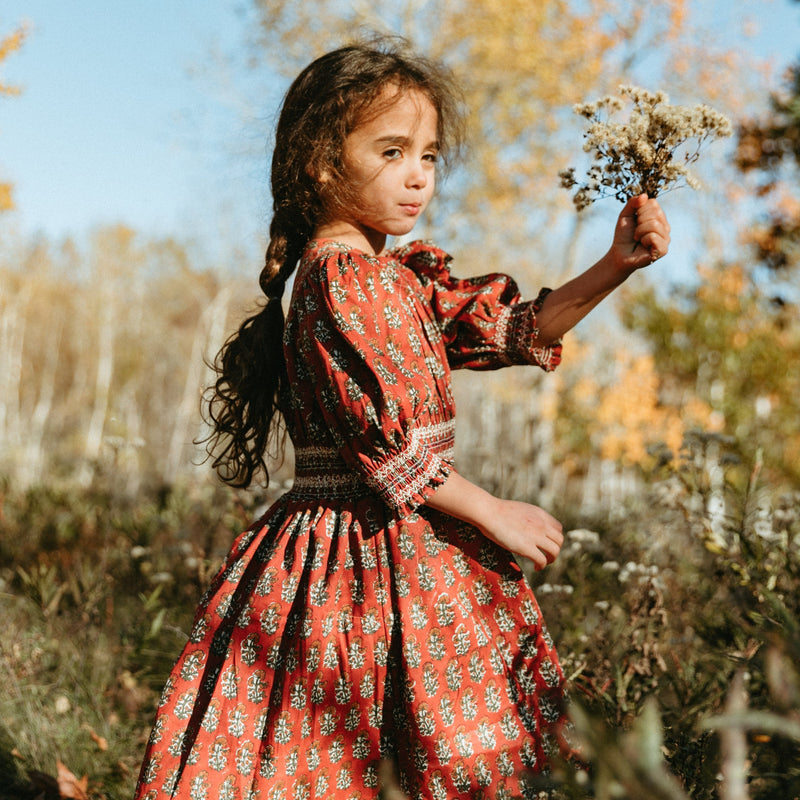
(353, 622)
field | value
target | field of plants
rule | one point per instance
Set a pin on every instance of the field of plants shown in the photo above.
(680, 632)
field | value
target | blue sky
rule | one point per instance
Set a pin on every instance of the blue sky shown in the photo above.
(125, 116)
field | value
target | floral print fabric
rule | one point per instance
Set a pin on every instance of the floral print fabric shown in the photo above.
(352, 622)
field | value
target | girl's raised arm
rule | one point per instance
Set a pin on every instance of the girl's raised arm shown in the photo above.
(641, 236)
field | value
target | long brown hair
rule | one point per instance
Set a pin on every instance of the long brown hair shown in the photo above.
(324, 104)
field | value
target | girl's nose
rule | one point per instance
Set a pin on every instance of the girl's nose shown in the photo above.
(417, 177)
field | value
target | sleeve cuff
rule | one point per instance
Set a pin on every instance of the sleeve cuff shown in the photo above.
(518, 333)
(406, 479)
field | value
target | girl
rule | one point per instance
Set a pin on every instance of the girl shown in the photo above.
(375, 615)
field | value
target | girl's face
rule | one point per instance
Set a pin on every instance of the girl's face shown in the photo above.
(389, 163)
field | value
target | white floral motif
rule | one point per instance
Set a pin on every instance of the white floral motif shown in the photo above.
(292, 761)
(425, 721)
(446, 711)
(463, 743)
(444, 611)
(312, 657)
(530, 611)
(274, 657)
(493, 697)
(283, 729)
(438, 789)
(413, 653)
(343, 691)
(298, 695)
(483, 594)
(176, 744)
(211, 717)
(289, 589)
(166, 693)
(318, 692)
(245, 759)
(218, 754)
(402, 584)
(250, 649)
(318, 594)
(352, 722)
(436, 646)
(461, 640)
(270, 619)
(184, 705)
(236, 720)
(486, 735)
(355, 654)
(362, 746)
(200, 629)
(430, 680)
(329, 721)
(344, 777)
(453, 675)
(426, 576)
(198, 788)
(321, 787)
(192, 665)
(469, 708)
(367, 687)
(229, 682)
(509, 726)
(312, 757)
(336, 750)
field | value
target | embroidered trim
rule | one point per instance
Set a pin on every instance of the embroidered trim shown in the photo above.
(518, 332)
(321, 472)
(407, 473)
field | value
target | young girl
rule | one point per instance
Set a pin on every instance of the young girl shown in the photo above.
(374, 620)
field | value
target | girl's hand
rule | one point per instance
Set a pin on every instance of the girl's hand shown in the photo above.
(641, 236)
(526, 530)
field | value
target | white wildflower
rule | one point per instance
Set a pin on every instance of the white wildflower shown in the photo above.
(649, 153)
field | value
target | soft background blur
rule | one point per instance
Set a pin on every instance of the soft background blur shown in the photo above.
(134, 152)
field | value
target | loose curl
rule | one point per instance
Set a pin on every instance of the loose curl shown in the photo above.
(326, 102)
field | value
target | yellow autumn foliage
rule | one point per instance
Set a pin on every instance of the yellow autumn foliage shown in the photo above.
(8, 45)
(630, 417)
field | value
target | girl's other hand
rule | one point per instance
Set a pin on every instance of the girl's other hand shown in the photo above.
(526, 530)
(641, 236)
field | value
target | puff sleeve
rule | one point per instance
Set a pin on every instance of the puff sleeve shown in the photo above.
(484, 322)
(375, 390)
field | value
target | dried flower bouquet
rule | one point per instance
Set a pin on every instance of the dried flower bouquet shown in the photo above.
(642, 154)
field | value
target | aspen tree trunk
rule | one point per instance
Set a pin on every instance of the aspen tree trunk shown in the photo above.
(102, 392)
(12, 337)
(30, 470)
(209, 329)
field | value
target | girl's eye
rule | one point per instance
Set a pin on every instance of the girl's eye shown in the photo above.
(432, 157)
(393, 152)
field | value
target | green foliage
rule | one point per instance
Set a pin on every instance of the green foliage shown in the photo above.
(723, 342)
(97, 594)
(698, 583)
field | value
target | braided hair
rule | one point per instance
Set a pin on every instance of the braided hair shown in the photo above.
(325, 103)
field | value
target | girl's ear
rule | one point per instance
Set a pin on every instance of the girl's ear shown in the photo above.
(319, 175)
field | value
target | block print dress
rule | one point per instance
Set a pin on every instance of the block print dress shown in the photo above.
(352, 622)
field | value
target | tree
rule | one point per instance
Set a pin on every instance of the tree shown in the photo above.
(729, 341)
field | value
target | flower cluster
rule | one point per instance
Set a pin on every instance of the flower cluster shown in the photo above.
(641, 154)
